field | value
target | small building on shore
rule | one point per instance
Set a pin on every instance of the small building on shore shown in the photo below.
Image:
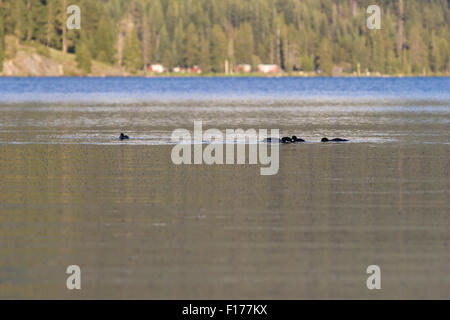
(156, 68)
(268, 68)
(193, 69)
(244, 68)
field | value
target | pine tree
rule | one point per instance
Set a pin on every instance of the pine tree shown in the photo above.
(19, 13)
(307, 63)
(205, 57)
(324, 58)
(165, 52)
(156, 16)
(2, 40)
(244, 43)
(443, 60)
(64, 26)
(146, 36)
(132, 56)
(83, 55)
(156, 22)
(190, 46)
(51, 27)
(218, 49)
(177, 45)
(377, 56)
(104, 43)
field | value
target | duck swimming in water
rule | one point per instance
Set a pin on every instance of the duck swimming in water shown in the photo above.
(124, 137)
(286, 140)
(296, 140)
(334, 140)
(278, 140)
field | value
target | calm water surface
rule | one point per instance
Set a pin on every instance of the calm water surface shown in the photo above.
(141, 227)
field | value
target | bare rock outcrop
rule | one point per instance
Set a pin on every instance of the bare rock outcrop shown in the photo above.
(31, 64)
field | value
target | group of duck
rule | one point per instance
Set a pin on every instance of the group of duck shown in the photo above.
(284, 140)
(294, 139)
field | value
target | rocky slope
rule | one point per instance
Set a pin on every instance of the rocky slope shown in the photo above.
(23, 60)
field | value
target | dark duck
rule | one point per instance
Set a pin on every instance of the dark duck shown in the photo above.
(123, 137)
(285, 140)
(292, 139)
(333, 140)
(296, 140)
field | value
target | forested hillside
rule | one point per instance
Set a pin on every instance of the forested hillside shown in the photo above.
(297, 35)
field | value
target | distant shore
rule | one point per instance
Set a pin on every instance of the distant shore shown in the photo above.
(33, 60)
(222, 75)
(287, 75)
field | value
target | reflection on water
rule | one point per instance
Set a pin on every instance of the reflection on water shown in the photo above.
(141, 227)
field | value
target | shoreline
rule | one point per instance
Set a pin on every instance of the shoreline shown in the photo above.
(172, 75)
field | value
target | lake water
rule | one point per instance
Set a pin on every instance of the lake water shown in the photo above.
(139, 226)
